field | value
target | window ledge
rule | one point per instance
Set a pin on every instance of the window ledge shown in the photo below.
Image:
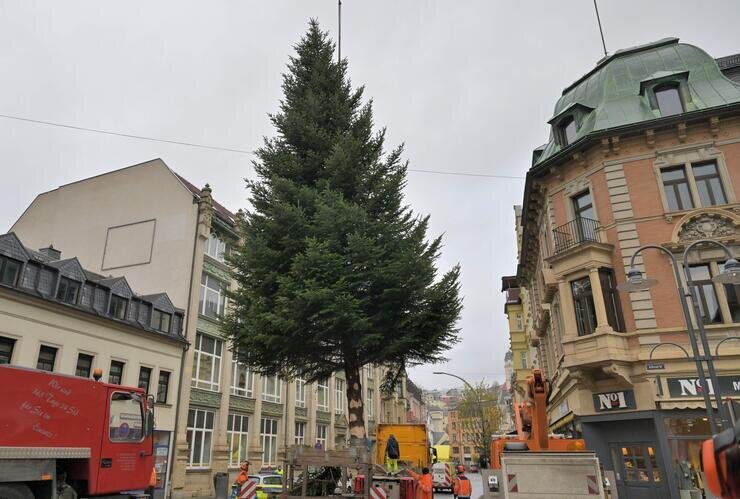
(217, 263)
(197, 469)
(214, 320)
(162, 404)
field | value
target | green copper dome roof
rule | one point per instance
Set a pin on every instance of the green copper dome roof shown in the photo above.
(611, 95)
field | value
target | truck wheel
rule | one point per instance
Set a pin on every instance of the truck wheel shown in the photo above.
(15, 491)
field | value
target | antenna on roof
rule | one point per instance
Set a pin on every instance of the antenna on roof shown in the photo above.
(598, 19)
(339, 43)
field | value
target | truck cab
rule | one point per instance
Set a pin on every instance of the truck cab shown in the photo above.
(59, 432)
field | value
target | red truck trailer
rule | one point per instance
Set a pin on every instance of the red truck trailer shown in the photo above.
(61, 433)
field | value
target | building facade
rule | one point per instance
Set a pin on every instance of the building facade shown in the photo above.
(461, 432)
(644, 149)
(515, 308)
(416, 410)
(162, 232)
(57, 316)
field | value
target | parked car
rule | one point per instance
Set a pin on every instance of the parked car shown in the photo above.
(267, 485)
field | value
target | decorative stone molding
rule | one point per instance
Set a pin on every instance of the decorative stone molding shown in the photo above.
(605, 146)
(714, 125)
(686, 154)
(577, 185)
(581, 378)
(615, 144)
(301, 413)
(340, 420)
(323, 416)
(650, 137)
(681, 130)
(272, 409)
(708, 223)
(241, 403)
(619, 372)
(205, 398)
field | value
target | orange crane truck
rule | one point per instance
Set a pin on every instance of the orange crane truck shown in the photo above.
(535, 463)
(65, 437)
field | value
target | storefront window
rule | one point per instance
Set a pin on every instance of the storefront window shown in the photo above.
(685, 437)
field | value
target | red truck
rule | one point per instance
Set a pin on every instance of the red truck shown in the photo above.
(60, 434)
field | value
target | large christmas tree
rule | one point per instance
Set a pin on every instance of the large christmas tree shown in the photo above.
(334, 271)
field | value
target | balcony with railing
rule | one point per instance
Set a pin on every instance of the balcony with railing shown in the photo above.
(575, 233)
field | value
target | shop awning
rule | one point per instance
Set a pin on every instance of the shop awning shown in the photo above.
(562, 422)
(683, 404)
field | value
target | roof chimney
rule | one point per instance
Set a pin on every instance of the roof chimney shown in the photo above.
(50, 252)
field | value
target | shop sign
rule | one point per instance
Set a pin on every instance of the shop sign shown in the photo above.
(614, 401)
(691, 387)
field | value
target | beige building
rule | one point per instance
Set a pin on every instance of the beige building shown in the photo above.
(57, 316)
(162, 232)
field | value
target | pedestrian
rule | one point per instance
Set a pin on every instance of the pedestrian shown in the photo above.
(423, 483)
(463, 488)
(241, 479)
(392, 454)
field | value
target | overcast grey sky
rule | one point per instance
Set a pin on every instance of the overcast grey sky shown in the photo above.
(468, 85)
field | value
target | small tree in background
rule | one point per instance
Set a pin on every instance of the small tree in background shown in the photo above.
(480, 415)
(334, 272)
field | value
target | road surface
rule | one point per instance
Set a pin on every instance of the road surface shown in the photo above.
(476, 482)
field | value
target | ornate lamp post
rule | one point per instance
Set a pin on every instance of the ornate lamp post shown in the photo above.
(729, 275)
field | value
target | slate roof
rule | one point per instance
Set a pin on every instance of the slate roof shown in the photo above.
(612, 90)
(221, 212)
(39, 273)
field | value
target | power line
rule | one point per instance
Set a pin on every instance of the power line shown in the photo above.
(465, 174)
(219, 148)
(127, 135)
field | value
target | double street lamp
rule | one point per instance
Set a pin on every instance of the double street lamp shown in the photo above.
(478, 403)
(730, 275)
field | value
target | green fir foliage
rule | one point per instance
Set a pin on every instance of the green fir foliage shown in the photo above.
(334, 271)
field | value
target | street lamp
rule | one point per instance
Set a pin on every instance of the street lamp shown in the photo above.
(478, 403)
(729, 275)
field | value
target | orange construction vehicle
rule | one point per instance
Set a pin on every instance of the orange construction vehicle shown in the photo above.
(531, 425)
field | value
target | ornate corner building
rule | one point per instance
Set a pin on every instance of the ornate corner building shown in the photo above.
(644, 149)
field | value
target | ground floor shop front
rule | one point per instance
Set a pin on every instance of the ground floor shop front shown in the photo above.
(650, 454)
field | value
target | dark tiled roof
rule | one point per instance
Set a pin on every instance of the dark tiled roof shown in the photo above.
(38, 277)
(222, 213)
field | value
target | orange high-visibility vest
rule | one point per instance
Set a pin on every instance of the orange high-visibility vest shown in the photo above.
(462, 487)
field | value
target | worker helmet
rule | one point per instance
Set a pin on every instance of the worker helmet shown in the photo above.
(461, 469)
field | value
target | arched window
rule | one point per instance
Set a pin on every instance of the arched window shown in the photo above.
(668, 99)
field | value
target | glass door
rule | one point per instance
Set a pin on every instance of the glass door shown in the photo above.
(637, 470)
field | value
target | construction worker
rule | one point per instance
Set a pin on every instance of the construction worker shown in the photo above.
(463, 488)
(392, 454)
(423, 483)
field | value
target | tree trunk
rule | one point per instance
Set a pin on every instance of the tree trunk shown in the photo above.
(355, 403)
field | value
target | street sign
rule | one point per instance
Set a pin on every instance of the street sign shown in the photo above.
(654, 366)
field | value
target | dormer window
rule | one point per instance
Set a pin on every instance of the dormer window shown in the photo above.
(668, 99)
(68, 290)
(161, 320)
(117, 307)
(9, 269)
(568, 131)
